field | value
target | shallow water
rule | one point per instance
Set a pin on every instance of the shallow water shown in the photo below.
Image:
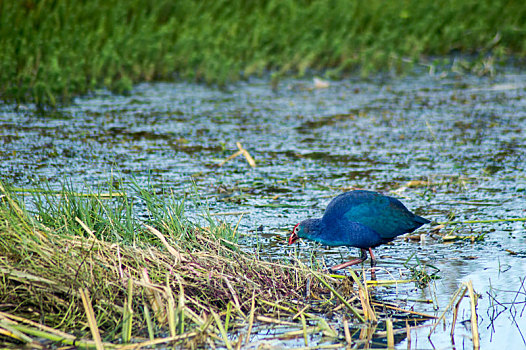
(462, 137)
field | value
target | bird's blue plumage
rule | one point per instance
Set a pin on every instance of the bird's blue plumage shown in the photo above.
(361, 219)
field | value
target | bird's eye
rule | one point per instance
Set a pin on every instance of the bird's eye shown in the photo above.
(296, 228)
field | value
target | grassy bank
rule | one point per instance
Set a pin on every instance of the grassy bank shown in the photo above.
(51, 51)
(83, 270)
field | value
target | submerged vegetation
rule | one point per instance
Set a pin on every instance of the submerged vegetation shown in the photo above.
(51, 51)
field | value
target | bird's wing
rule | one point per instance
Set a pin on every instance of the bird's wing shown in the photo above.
(385, 215)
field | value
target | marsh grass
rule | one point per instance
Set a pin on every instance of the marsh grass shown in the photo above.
(87, 270)
(52, 51)
(420, 272)
(177, 282)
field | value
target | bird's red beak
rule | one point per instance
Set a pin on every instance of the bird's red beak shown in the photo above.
(293, 236)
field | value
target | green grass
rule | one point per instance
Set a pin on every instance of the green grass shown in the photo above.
(51, 51)
(113, 215)
(158, 275)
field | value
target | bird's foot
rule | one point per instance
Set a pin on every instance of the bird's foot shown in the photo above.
(346, 264)
(362, 258)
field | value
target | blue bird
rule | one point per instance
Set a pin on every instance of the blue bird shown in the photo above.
(361, 219)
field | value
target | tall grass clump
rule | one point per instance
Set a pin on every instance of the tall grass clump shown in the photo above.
(82, 270)
(128, 270)
(51, 51)
(118, 216)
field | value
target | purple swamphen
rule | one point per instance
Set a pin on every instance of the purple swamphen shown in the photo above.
(361, 219)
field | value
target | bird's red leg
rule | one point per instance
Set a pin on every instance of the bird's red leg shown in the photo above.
(373, 259)
(362, 257)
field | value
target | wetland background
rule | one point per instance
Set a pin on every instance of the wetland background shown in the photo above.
(447, 138)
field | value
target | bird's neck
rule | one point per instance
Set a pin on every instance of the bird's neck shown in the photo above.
(314, 229)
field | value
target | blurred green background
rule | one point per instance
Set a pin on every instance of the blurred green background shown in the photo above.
(51, 51)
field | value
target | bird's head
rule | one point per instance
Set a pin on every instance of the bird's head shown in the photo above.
(309, 229)
(295, 234)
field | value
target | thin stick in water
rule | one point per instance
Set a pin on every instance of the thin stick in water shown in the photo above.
(390, 335)
(474, 318)
(455, 312)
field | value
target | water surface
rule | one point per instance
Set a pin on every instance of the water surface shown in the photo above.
(460, 139)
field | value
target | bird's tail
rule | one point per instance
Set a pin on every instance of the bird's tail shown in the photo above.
(421, 220)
